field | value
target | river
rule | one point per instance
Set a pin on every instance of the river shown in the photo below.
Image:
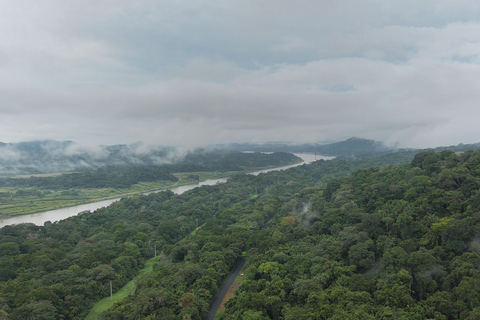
(40, 218)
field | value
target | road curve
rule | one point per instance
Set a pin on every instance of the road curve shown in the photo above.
(218, 299)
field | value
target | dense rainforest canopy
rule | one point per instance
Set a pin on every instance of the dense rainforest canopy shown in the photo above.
(384, 242)
(126, 175)
(35, 193)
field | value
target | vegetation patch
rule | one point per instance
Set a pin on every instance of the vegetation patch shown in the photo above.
(231, 291)
(43, 192)
(321, 243)
(107, 302)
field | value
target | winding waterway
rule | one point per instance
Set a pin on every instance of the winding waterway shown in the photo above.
(58, 214)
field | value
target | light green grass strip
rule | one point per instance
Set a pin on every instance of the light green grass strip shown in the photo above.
(106, 303)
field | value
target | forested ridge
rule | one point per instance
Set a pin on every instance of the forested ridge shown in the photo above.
(385, 242)
(49, 156)
(125, 176)
(20, 194)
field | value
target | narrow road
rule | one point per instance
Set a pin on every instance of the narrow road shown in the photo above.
(218, 299)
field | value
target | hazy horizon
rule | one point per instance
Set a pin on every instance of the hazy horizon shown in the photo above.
(199, 73)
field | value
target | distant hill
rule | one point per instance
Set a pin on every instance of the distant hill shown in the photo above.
(351, 147)
(458, 148)
(49, 156)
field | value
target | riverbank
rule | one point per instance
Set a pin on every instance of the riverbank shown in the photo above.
(31, 201)
(201, 179)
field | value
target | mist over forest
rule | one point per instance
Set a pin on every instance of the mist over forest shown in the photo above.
(172, 131)
(50, 156)
(387, 234)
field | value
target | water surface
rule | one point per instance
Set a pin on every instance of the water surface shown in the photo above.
(58, 214)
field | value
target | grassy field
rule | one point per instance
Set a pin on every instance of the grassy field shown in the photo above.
(106, 303)
(18, 201)
(15, 201)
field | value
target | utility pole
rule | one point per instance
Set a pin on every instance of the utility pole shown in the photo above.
(111, 291)
(154, 247)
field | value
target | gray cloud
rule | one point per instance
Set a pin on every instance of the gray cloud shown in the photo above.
(193, 73)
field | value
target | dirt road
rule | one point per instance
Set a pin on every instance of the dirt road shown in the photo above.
(218, 299)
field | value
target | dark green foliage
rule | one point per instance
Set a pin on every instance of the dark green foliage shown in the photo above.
(114, 177)
(397, 242)
(124, 176)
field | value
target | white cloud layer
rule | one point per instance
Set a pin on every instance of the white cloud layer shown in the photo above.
(197, 72)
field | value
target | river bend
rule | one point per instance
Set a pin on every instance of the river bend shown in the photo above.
(40, 218)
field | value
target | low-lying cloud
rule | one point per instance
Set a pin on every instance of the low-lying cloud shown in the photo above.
(187, 74)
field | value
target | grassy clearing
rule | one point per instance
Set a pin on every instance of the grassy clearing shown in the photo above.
(129, 288)
(106, 303)
(18, 201)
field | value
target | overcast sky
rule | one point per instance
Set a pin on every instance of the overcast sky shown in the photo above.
(198, 72)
